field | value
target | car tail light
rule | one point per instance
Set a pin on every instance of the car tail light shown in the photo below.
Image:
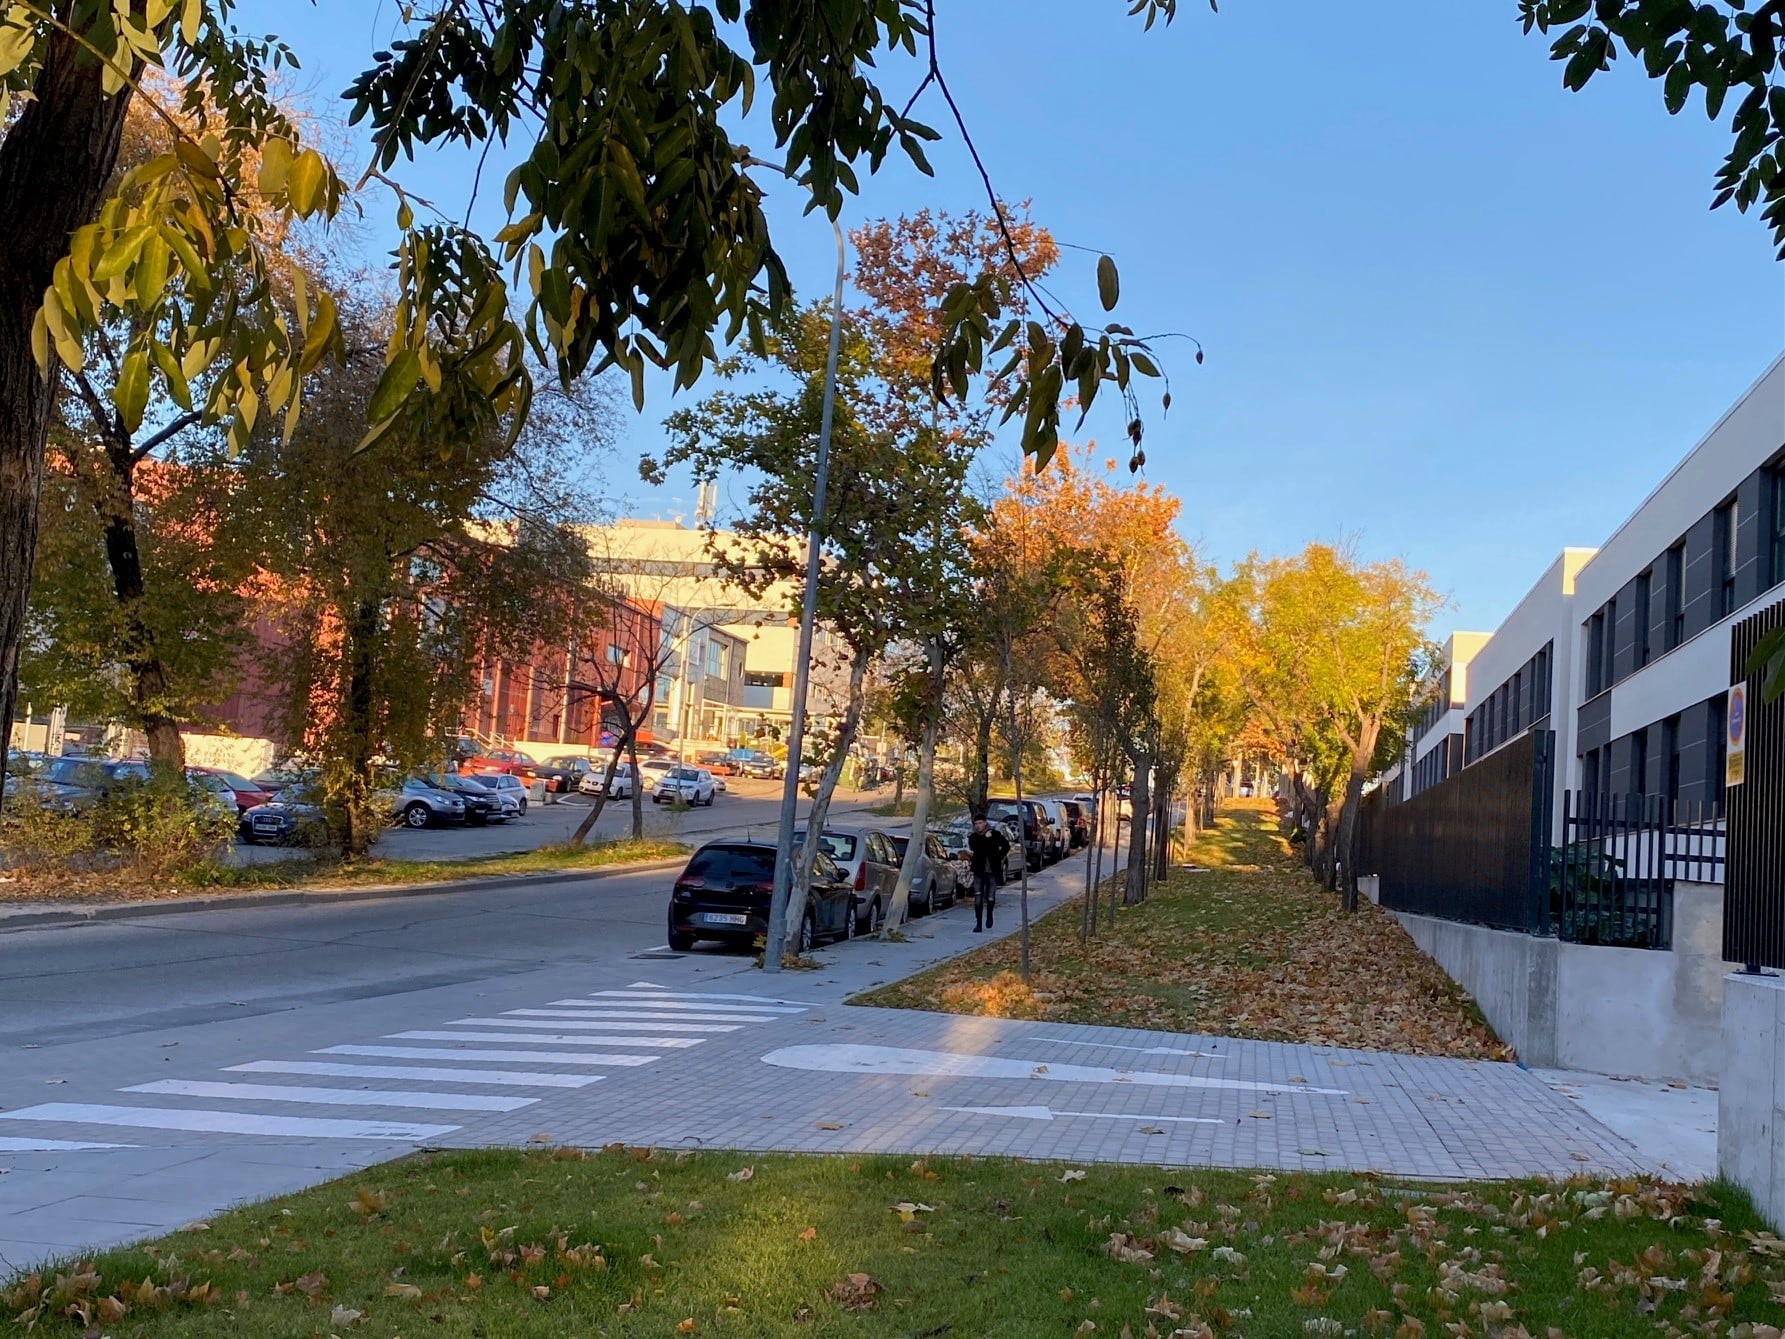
(861, 876)
(691, 883)
(761, 888)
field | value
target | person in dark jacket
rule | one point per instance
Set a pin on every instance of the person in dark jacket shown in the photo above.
(987, 847)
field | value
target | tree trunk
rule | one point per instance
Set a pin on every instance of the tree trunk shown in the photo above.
(1115, 850)
(638, 788)
(54, 164)
(363, 825)
(1140, 813)
(821, 800)
(982, 763)
(1088, 911)
(1345, 847)
(926, 786)
(583, 828)
(148, 675)
(1016, 779)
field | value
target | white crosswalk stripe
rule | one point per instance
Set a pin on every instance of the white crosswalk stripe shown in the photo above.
(337, 1097)
(590, 1009)
(609, 1022)
(545, 1038)
(445, 1053)
(663, 1000)
(495, 1078)
(658, 993)
(8, 1144)
(227, 1122)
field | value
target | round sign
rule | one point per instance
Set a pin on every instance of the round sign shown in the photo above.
(1738, 711)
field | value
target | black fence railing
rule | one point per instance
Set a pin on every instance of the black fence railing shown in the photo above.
(1611, 880)
(1474, 847)
(1754, 893)
(1478, 847)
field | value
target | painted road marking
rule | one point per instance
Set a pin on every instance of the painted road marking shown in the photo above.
(227, 1122)
(1143, 1050)
(339, 1097)
(443, 1053)
(544, 1038)
(608, 1021)
(11, 1145)
(1048, 1113)
(850, 1058)
(653, 1014)
(662, 1000)
(495, 1078)
(659, 993)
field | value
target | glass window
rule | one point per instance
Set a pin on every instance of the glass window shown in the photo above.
(1639, 763)
(1776, 539)
(1595, 653)
(1643, 594)
(1725, 529)
(1609, 644)
(732, 862)
(1676, 595)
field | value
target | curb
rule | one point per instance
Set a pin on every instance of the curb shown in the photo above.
(288, 897)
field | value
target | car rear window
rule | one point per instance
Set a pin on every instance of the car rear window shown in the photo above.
(733, 864)
(899, 844)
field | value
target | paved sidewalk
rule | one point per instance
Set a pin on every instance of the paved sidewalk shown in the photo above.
(111, 1140)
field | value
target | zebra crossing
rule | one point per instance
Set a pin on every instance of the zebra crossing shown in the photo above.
(544, 1049)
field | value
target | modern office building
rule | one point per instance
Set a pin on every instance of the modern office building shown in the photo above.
(1624, 650)
(1434, 750)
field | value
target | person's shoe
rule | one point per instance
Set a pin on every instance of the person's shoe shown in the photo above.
(977, 929)
(988, 922)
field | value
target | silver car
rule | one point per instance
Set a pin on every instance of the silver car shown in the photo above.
(869, 860)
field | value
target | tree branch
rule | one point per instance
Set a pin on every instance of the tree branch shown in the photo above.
(161, 438)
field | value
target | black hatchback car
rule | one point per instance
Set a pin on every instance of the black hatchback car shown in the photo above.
(724, 894)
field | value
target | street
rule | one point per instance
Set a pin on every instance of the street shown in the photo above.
(164, 1067)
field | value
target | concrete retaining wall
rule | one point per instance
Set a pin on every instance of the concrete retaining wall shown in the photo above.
(1751, 1098)
(1637, 1012)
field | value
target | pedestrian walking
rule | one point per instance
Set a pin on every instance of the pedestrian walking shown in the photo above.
(987, 847)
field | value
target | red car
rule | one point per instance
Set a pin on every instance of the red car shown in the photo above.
(511, 761)
(247, 795)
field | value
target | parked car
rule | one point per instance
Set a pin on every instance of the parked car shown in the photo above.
(501, 762)
(719, 764)
(243, 792)
(293, 817)
(482, 805)
(276, 779)
(724, 894)
(755, 763)
(591, 782)
(1077, 823)
(71, 784)
(935, 884)
(1038, 836)
(653, 770)
(417, 804)
(509, 788)
(690, 785)
(566, 772)
(867, 859)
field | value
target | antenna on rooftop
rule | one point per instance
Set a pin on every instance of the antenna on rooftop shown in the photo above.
(706, 501)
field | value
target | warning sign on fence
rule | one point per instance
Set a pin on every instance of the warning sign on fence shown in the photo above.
(1735, 768)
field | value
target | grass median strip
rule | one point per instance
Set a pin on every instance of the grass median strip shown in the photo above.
(318, 872)
(1250, 946)
(636, 1242)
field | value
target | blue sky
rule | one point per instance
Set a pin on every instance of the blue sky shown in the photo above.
(1449, 308)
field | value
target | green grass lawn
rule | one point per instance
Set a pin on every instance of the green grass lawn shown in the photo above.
(498, 1245)
(1250, 946)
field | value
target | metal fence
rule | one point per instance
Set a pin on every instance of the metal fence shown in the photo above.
(1754, 893)
(1611, 880)
(1478, 848)
(1474, 847)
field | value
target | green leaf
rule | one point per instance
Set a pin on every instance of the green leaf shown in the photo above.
(1109, 286)
(309, 174)
(131, 393)
(178, 388)
(1768, 658)
(394, 386)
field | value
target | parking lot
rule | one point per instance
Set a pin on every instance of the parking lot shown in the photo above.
(748, 807)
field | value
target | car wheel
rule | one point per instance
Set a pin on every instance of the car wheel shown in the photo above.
(680, 941)
(852, 922)
(416, 815)
(808, 935)
(876, 916)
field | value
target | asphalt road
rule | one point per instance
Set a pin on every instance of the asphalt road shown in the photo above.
(112, 978)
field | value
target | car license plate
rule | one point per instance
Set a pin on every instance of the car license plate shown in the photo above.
(726, 918)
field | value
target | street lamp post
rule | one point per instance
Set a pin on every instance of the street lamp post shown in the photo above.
(796, 726)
